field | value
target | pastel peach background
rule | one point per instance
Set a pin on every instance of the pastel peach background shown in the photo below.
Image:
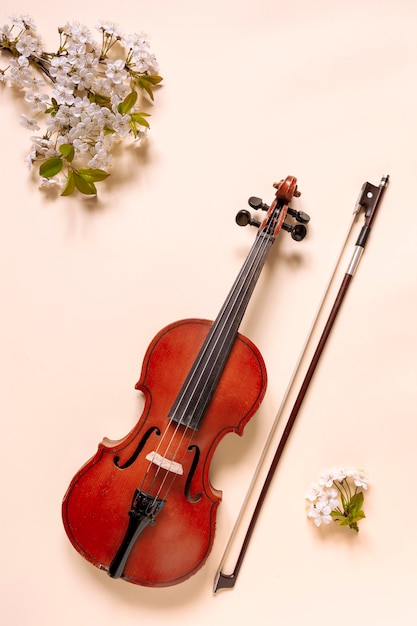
(253, 91)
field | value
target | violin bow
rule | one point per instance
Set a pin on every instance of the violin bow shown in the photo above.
(369, 199)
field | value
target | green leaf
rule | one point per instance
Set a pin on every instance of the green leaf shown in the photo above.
(128, 103)
(51, 167)
(53, 110)
(70, 185)
(139, 118)
(91, 174)
(154, 79)
(134, 129)
(67, 151)
(103, 101)
(355, 503)
(146, 82)
(83, 185)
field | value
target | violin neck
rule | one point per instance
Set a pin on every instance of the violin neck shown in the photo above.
(231, 314)
(201, 382)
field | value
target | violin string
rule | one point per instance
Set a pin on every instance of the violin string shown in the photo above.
(243, 284)
(173, 454)
(181, 460)
(248, 272)
(172, 460)
(251, 269)
(152, 464)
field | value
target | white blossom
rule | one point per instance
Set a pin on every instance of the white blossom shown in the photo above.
(336, 496)
(360, 478)
(76, 53)
(136, 41)
(19, 71)
(116, 72)
(50, 182)
(326, 478)
(110, 28)
(59, 68)
(63, 94)
(81, 92)
(314, 492)
(29, 159)
(28, 122)
(27, 45)
(22, 21)
(320, 513)
(331, 496)
(38, 101)
(34, 83)
(77, 33)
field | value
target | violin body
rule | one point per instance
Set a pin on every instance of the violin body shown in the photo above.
(97, 504)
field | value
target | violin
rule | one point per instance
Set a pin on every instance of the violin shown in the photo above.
(143, 508)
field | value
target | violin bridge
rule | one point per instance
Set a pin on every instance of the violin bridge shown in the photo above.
(164, 463)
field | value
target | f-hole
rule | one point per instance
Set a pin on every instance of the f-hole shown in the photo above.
(138, 450)
(187, 489)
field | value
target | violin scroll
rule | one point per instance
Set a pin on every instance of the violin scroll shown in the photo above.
(286, 189)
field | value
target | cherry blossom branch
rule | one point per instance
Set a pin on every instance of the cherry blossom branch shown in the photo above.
(92, 100)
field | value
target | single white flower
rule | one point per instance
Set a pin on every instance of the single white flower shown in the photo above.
(110, 28)
(20, 71)
(29, 122)
(102, 85)
(339, 473)
(29, 159)
(326, 478)
(360, 478)
(81, 146)
(320, 514)
(116, 71)
(121, 124)
(314, 492)
(76, 54)
(34, 84)
(38, 101)
(63, 94)
(136, 41)
(332, 496)
(23, 61)
(49, 182)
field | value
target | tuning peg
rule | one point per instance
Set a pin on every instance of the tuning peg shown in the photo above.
(243, 218)
(300, 216)
(257, 203)
(298, 232)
